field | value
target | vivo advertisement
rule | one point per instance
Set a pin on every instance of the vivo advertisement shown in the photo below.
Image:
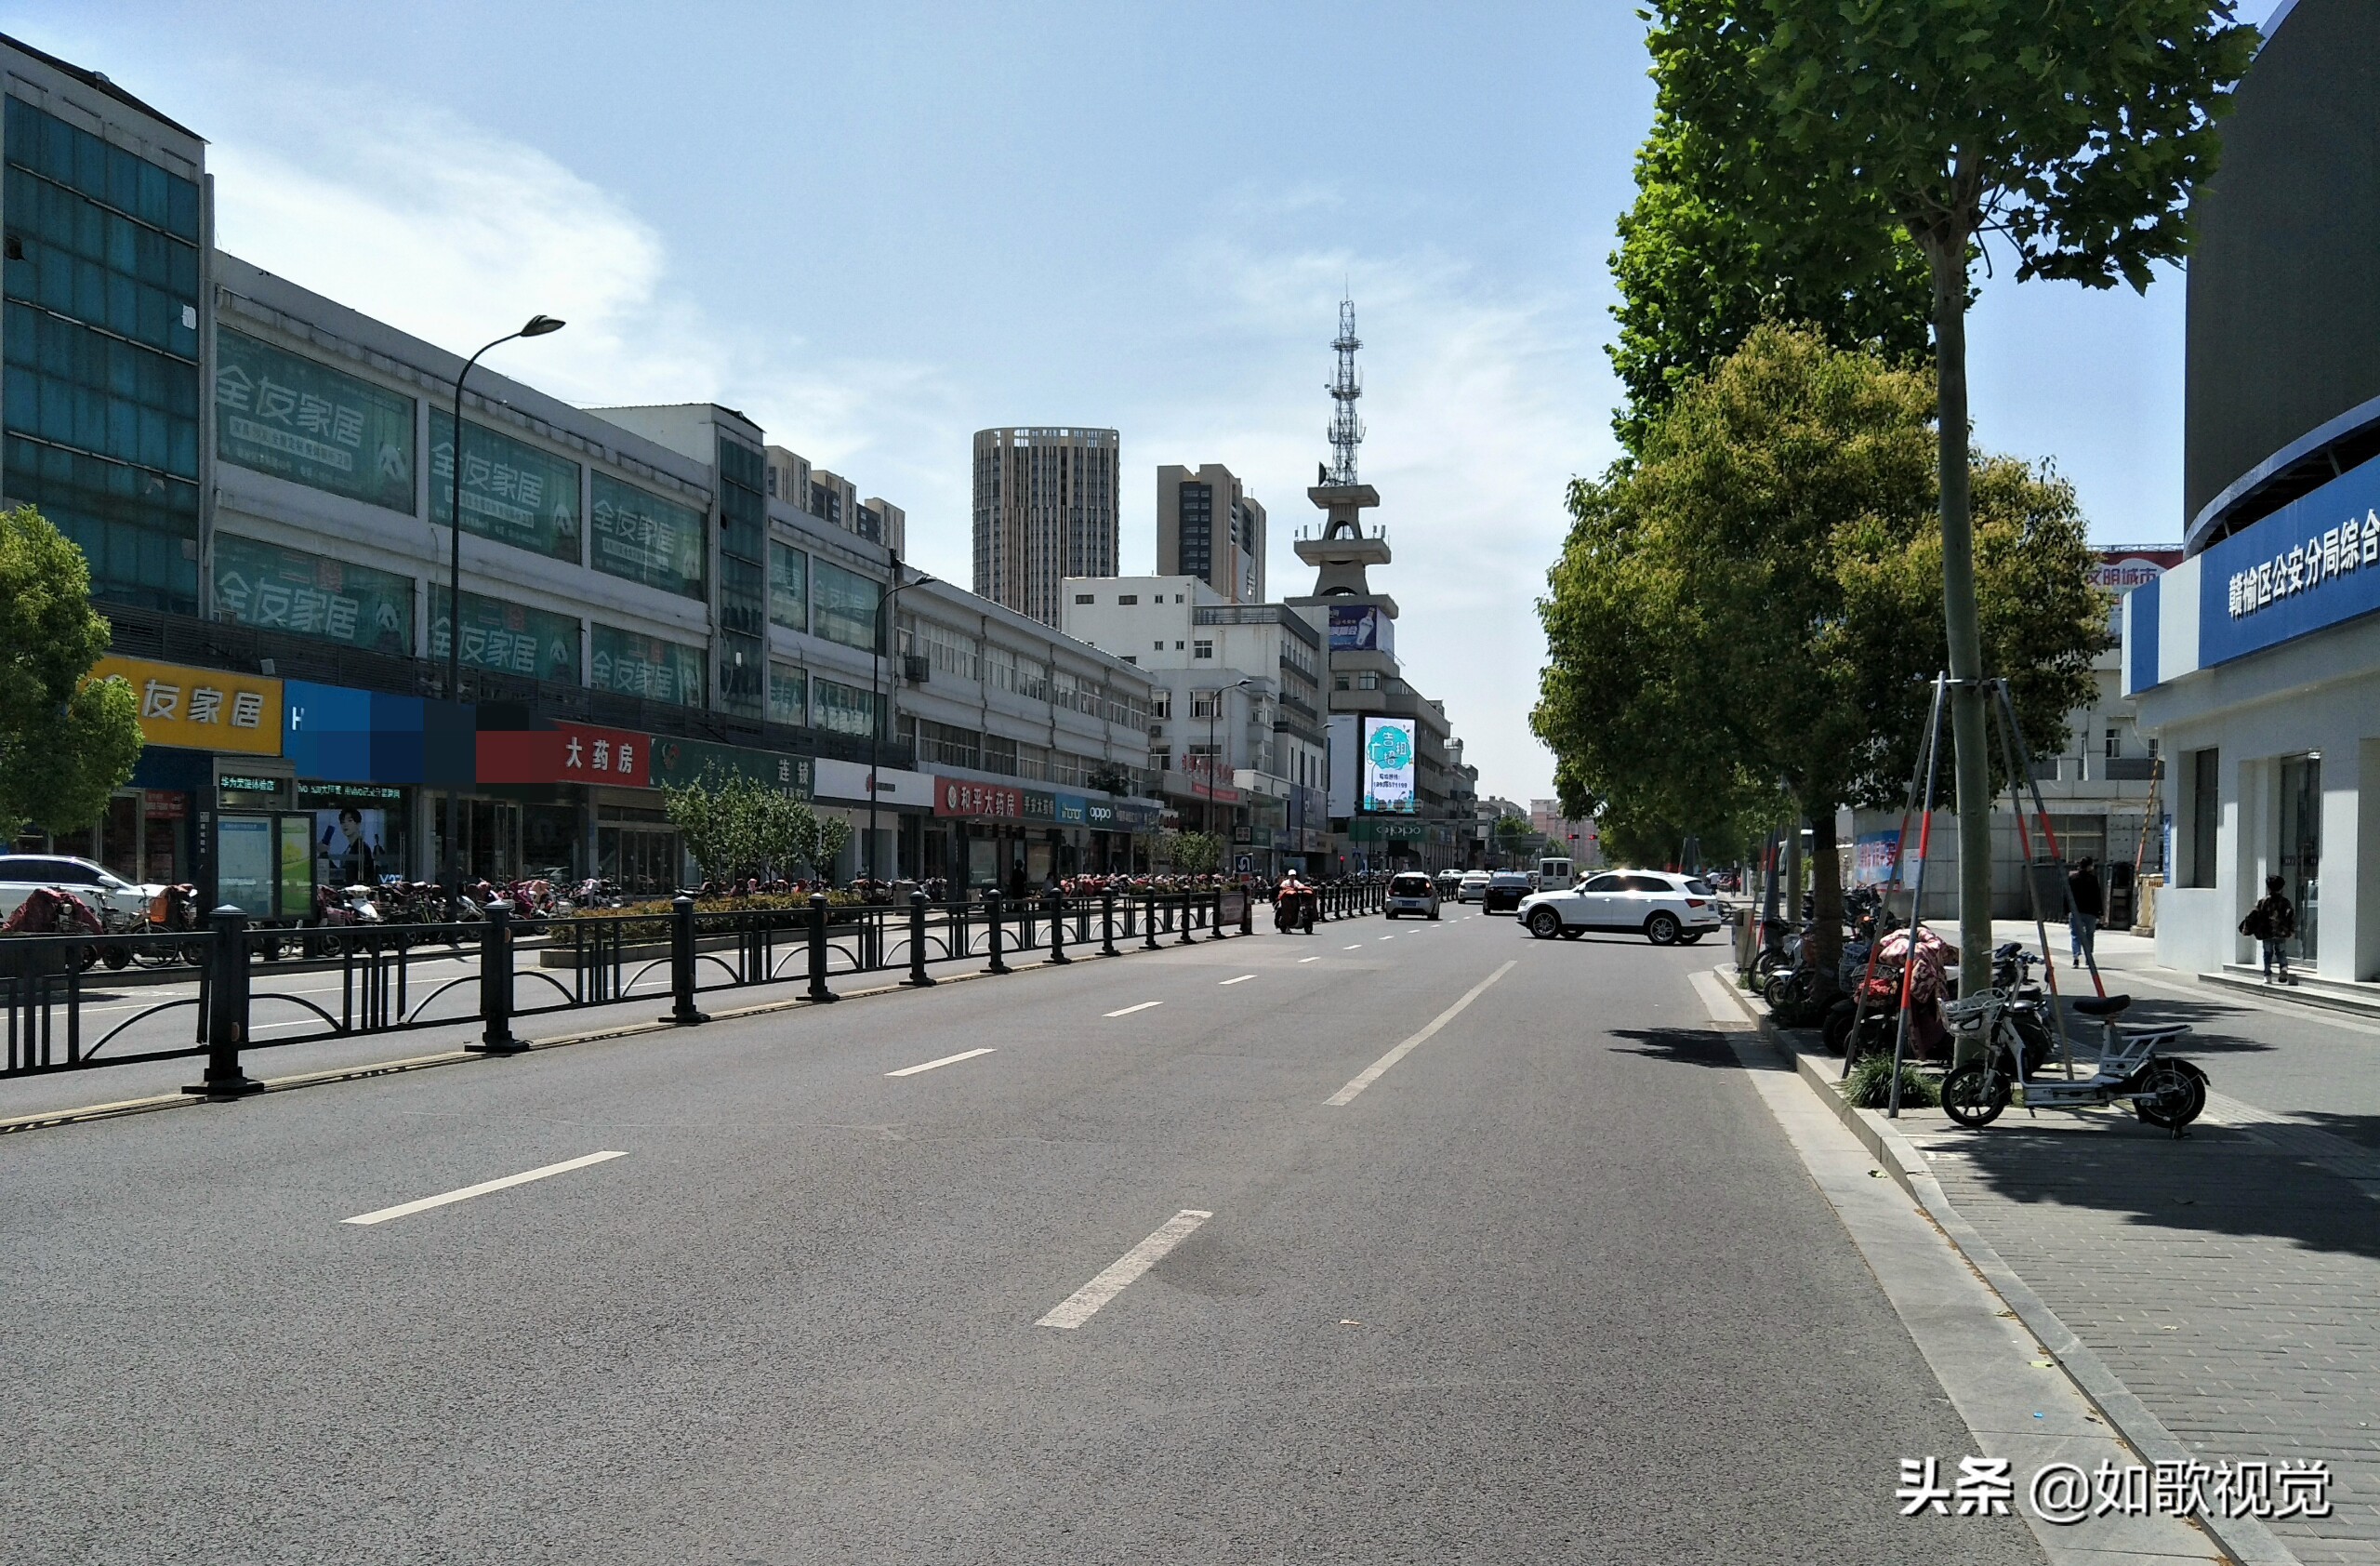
(1388, 766)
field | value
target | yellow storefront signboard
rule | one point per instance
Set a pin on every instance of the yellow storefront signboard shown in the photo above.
(201, 708)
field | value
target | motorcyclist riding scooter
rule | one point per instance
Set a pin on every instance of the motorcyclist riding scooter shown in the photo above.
(1295, 904)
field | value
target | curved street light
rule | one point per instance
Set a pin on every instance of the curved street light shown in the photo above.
(538, 326)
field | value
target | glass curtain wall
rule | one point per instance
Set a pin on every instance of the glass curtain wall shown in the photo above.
(101, 286)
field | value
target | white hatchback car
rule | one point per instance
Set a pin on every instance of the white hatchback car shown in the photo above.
(1663, 907)
(1473, 887)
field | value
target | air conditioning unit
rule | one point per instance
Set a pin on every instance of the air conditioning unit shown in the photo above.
(914, 668)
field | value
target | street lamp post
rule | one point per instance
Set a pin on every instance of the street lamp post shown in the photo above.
(1214, 715)
(538, 326)
(876, 717)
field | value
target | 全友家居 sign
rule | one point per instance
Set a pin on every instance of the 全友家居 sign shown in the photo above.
(201, 708)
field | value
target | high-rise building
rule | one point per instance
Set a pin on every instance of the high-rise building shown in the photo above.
(105, 281)
(1045, 510)
(1209, 527)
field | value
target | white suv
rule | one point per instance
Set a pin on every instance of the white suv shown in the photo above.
(1663, 907)
(21, 873)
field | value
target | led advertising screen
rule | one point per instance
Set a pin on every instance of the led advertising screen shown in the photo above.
(1388, 766)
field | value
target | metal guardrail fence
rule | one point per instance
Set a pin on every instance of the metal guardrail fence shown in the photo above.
(389, 978)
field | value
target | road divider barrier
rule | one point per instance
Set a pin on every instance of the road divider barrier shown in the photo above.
(59, 1014)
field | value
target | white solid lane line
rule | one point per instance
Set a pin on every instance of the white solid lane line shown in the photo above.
(1309, 959)
(1084, 1303)
(1388, 938)
(1141, 1007)
(1378, 1069)
(426, 1204)
(1357, 947)
(946, 1060)
(1241, 979)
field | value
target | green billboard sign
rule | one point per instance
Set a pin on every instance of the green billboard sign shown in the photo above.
(289, 589)
(511, 637)
(675, 763)
(513, 492)
(282, 413)
(646, 539)
(629, 663)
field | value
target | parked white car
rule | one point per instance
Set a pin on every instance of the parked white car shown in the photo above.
(21, 873)
(1661, 906)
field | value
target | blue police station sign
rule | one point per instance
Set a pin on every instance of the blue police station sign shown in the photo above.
(2312, 565)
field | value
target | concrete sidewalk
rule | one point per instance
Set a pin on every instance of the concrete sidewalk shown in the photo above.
(2227, 1280)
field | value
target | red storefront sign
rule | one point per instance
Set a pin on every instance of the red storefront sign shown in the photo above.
(159, 805)
(955, 796)
(566, 753)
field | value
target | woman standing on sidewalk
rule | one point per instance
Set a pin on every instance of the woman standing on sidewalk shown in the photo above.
(2274, 924)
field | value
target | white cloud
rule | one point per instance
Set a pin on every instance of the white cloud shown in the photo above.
(444, 229)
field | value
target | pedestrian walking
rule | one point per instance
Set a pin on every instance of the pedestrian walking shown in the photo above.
(2090, 905)
(2273, 922)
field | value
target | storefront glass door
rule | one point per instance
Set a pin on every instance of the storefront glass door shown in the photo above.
(2301, 845)
(640, 861)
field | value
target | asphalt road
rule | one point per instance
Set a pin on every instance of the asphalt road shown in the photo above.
(1550, 1286)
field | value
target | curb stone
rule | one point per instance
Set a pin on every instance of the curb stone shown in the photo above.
(2247, 1541)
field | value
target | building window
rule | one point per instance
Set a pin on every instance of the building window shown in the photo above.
(844, 604)
(1161, 703)
(1202, 704)
(1132, 658)
(1086, 598)
(788, 695)
(788, 586)
(2206, 814)
(1202, 650)
(1127, 598)
(1160, 761)
(2111, 742)
(841, 708)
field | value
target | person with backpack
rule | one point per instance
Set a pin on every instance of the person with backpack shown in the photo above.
(2273, 922)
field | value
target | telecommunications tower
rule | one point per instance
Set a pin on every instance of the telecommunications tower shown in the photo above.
(1346, 429)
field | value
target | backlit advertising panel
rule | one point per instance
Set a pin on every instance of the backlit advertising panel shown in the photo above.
(1387, 762)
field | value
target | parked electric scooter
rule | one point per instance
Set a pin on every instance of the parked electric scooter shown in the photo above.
(2162, 1090)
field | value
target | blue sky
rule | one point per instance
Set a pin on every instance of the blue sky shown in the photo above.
(878, 228)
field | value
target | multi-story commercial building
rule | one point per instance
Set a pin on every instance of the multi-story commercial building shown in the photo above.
(1565, 834)
(1045, 509)
(645, 597)
(833, 500)
(1034, 719)
(1235, 721)
(1208, 526)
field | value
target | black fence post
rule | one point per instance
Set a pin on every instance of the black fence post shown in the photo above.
(818, 991)
(1187, 937)
(1107, 921)
(1148, 921)
(992, 918)
(1215, 917)
(495, 984)
(1057, 910)
(682, 1012)
(227, 1011)
(1247, 911)
(918, 975)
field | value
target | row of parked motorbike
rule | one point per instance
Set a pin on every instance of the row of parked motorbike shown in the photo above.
(59, 910)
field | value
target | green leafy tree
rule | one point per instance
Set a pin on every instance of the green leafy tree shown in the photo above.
(1749, 609)
(1696, 276)
(66, 741)
(1191, 853)
(2070, 134)
(721, 817)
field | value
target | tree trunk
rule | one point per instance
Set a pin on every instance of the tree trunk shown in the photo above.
(1972, 764)
(1826, 884)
